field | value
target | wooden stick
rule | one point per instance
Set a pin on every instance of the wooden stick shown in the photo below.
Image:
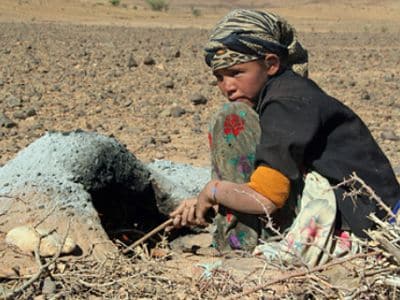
(147, 236)
(287, 276)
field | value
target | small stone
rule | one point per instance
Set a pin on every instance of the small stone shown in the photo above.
(389, 77)
(37, 126)
(31, 112)
(197, 130)
(149, 61)
(20, 115)
(56, 88)
(165, 113)
(390, 135)
(169, 84)
(198, 99)
(13, 101)
(127, 103)
(177, 111)
(149, 141)
(177, 54)
(1, 83)
(192, 155)
(164, 139)
(26, 238)
(365, 95)
(49, 286)
(352, 83)
(132, 62)
(6, 122)
(196, 119)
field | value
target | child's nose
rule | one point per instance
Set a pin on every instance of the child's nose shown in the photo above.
(228, 86)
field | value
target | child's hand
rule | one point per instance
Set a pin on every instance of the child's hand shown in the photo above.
(184, 214)
(205, 206)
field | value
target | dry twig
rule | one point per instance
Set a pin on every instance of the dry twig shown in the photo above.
(285, 277)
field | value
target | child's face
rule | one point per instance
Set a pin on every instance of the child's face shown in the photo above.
(242, 82)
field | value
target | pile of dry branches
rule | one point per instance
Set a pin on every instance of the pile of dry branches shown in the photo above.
(373, 273)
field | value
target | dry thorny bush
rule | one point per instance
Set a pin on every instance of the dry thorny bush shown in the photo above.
(374, 271)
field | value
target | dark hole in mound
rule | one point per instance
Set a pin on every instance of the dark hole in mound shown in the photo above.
(127, 215)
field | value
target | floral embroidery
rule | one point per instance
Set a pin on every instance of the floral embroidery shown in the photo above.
(228, 217)
(233, 125)
(344, 241)
(244, 164)
(234, 241)
(312, 229)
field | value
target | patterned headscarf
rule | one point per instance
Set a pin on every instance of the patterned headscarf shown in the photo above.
(245, 35)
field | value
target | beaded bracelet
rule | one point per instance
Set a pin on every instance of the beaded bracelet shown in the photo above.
(214, 192)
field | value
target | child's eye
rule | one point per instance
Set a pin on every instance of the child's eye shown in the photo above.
(236, 73)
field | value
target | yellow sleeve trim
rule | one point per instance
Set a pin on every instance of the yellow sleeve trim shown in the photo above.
(270, 183)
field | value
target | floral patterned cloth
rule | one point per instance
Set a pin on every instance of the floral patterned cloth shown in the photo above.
(232, 135)
(307, 220)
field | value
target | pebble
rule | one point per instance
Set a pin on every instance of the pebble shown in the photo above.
(37, 126)
(6, 122)
(30, 112)
(164, 139)
(49, 286)
(165, 113)
(390, 135)
(149, 141)
(177, 111)
(132, 62)
(352, 83)
(389, 77)
(196, 119)
(21, 115)
(13, 101)
(149, 61)
(192, 155)
(365, 95)
(198, 99)
(169, 84)
(127, 103)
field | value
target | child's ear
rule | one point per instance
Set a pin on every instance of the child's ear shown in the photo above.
(272, 63)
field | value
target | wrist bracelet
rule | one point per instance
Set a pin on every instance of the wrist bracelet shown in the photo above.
(214, 192)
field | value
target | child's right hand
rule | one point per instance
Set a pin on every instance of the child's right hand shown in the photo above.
(184, 214)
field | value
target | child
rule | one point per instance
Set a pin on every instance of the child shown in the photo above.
(305, 143)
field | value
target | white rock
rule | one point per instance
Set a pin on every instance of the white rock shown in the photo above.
(26, 239)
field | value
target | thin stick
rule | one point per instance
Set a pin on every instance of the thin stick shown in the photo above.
(148, 235)
(302, 273)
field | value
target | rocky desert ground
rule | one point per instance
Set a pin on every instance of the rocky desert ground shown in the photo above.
(138, 75)
(146, 82)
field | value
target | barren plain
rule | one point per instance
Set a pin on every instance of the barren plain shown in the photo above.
(133, 73)
(139, 75)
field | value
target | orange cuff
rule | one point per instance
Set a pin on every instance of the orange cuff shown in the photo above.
(270, 183)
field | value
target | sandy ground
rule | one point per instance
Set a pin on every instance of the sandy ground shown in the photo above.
(131, 72)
